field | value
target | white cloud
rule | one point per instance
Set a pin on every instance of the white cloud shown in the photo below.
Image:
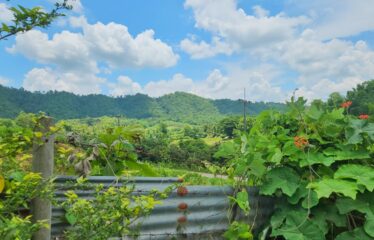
(343, 18)
(329, 66)
(203, 49)
(113, 44)
(216, 85)
(323, 88)
(73, 57)
(306, 46)
(124, 86)
(6, 16)
(4, 81)
(66, 50)
(178, 83)
(242, 31)
(45, 79)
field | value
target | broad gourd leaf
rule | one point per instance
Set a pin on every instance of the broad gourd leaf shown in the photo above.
(296, 225)
(329, 212)
(346, 154)
(357, 233)
(316, 158)
(325, 187)
(283, 178)
(314, 112)
(310, 198)
(356, 128)
(369, 224)
(362, 174)
(363, 204)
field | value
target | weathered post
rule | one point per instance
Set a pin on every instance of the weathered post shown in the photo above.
(42, 162)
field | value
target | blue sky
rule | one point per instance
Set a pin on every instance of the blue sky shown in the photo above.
(212, 48)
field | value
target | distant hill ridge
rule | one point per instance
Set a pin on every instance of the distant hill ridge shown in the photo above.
(178, 106)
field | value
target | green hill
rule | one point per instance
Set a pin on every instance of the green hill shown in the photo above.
(178, 106)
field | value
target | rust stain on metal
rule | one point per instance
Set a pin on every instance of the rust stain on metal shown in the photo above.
(182, 191)
(182, 219)
(182, 206)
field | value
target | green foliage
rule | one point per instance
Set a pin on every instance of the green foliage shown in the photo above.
(238, 230)
(25, 19)
(112, 211)
(180, 107)
(18, 186)
(362, 98)
(316, 160)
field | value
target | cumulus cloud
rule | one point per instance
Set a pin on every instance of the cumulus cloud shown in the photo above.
(45, 79)
(77, 54)
(307, 46)
(216, 85)
(178, 82)
(66, 50)
(114, 44)
(335, 19)
(240, 30)
(6, 16)
(124, 86)
(203, 49)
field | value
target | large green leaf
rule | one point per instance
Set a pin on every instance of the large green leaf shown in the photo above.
(327, 211)
(310, 198)
(362, 174)
(357, 128)
(316, 158)
(297, 225)
(369, 224)
(364, 204)
(325, 187)
(314, 112)
(283, 178)
(356, 234)
(346, 154)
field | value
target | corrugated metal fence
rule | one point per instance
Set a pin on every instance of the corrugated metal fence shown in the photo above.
(206, 217)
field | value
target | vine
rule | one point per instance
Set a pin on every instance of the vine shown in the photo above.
(318, 165)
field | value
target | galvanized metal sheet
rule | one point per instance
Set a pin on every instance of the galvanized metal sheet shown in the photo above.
(206, 217)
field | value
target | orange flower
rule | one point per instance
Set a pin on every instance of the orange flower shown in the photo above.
(363, 116)
(346, 104)
(300, 142)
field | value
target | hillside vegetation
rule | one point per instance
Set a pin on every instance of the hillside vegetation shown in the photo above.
(178, 106)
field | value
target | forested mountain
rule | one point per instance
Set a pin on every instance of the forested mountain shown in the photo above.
(178, 106)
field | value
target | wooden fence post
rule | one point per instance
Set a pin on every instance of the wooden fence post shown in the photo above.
(42, 162)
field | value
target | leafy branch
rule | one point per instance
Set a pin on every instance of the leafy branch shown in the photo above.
(26, 19)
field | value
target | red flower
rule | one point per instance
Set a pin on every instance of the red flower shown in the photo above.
(300, 142)
(363, 116)
(346, 104)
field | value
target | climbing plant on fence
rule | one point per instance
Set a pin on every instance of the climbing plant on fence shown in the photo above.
(318, 164)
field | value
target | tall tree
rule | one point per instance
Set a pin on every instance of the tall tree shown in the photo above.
(362, 98)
